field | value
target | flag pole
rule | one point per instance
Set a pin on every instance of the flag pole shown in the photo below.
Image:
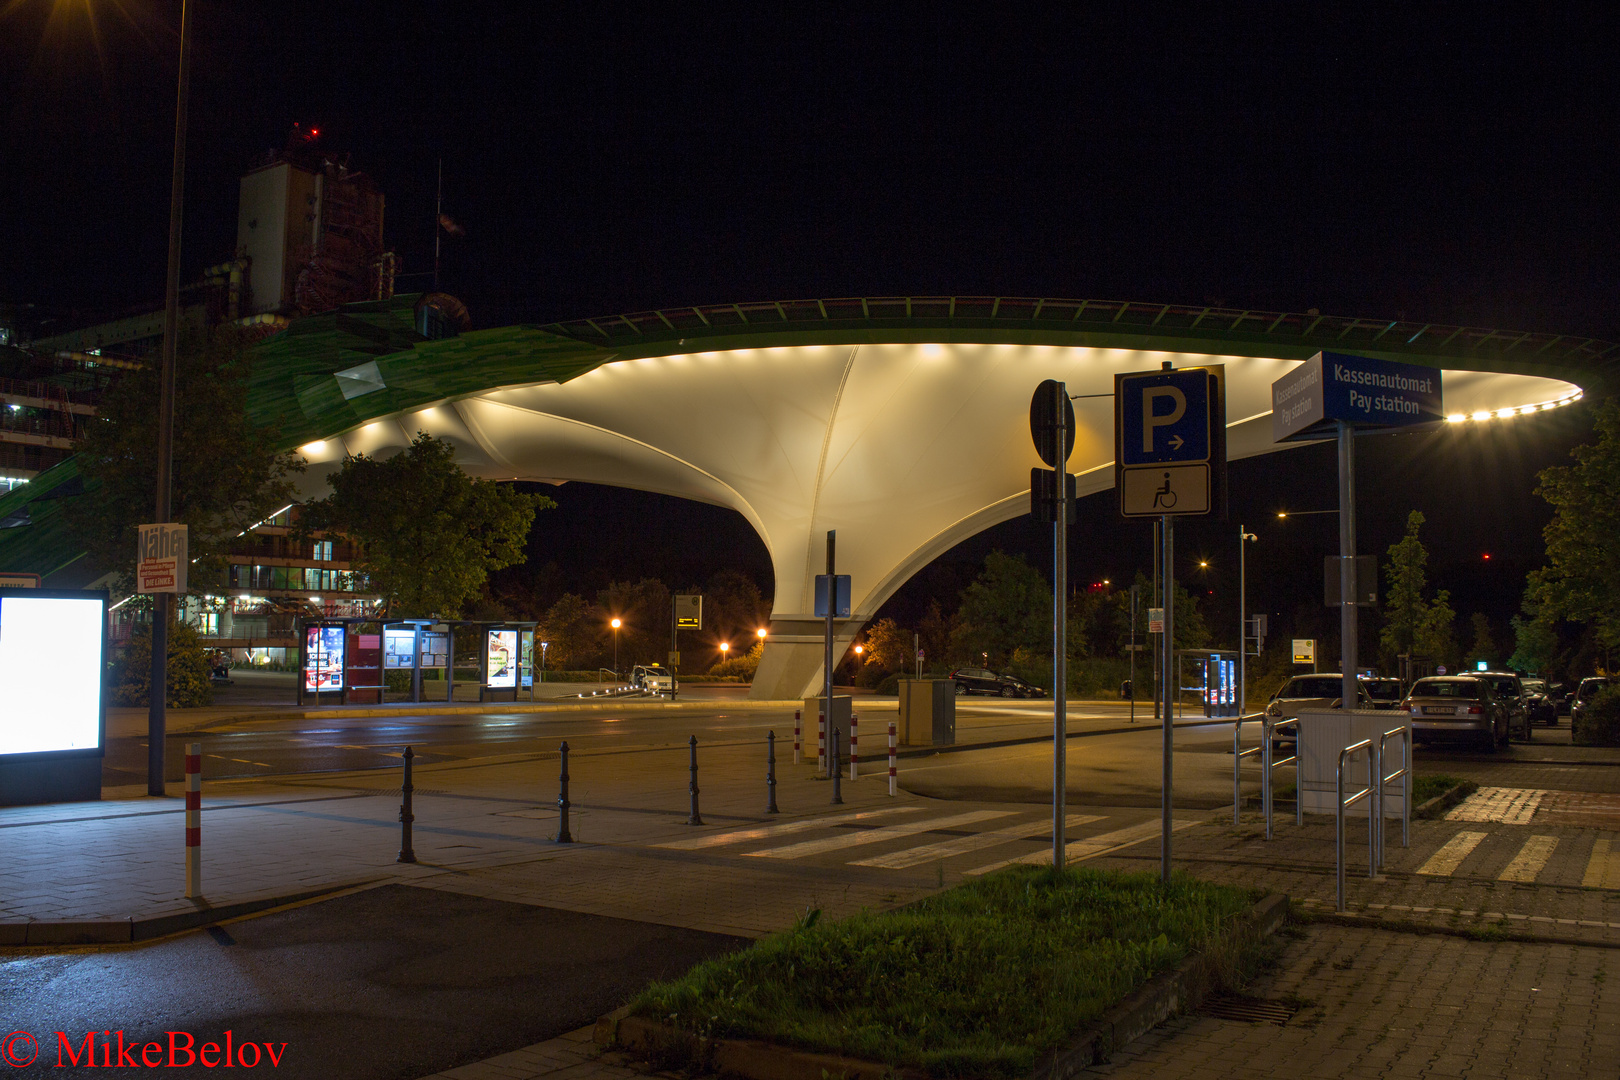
(438, 224)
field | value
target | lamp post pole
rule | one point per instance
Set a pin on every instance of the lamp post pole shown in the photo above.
(1245, 538)
(615, 648)
(156, 717)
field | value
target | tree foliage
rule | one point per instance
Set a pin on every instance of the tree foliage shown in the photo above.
(888, 646)
(429, 534)
(643, 607)
(1484, 646)
(1006, 608)
(1415, 625)
(227, 475)
(190, 676)
(572, 633)
(1581, 581)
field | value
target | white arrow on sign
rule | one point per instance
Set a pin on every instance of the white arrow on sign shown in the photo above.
(1176, 442)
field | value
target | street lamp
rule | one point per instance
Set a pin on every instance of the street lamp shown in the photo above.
(543, 645)
(616, 624)
(1281, 514)
(760, 633)
(725, 647)
(156, 718)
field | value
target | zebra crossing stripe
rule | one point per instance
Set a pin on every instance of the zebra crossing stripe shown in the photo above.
(961, 845)
(739, 836)
(1090, 847)
(874, 836)
(1603, 869)
(1531, 859)
(1444, 862)
(1510, 806)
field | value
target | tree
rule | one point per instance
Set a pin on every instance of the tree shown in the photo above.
(1581, 581)
(429, 534)
(1535, 643)
(227, 475)
(888, 646)
(190, 676)
(733, 608)
(644, 609)
(1413, 624)
(1189, 627)
(1007, 607)
(572, 631)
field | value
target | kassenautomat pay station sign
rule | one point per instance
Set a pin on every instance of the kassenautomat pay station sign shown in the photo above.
(1308, 402)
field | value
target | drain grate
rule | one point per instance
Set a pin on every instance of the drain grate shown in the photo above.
(1249, 1010)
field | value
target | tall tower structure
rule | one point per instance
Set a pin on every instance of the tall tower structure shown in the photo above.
(313, 232)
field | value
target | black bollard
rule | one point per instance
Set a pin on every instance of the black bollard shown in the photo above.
(838, 794)
(405, 815)
(695, 818)
(563, 835)
(770, 773)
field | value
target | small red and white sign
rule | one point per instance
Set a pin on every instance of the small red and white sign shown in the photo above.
(10, 580)
(161, 559)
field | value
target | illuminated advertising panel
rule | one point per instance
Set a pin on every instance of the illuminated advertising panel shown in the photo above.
(323, 658)
(502, 666)
(50, 673)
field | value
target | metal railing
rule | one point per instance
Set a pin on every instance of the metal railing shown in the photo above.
(1367, 792)
(1268, 733)
(1238, 754)
(1404, 774)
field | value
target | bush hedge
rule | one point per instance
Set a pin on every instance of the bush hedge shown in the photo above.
(1599, 724)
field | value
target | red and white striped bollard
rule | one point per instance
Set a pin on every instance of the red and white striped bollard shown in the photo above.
(891, 759)
(821, 742)
(193, 820)
(796, 720)
(854, 744)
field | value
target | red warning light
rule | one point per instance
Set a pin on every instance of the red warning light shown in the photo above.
(1486, 556)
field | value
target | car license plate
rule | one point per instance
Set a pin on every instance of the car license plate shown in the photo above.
(1439, 710)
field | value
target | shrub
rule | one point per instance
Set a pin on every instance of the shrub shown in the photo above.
(1599, 724)
(190, 681)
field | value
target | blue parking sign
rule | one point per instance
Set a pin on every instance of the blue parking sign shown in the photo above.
(1164, 417)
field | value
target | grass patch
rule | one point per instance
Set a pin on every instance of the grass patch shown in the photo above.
(1426, 787)
(977, 981)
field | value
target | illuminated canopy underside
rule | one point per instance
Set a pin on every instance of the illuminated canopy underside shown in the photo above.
(905, 448)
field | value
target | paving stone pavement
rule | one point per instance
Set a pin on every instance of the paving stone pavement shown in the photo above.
(1398, 1005)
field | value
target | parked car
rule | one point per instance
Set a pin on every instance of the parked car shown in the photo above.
(1539, 698)
(1385, 693)
(1583, 694)
(1308, 692)
(1510, 692)
(974, 680)
(655, 679)
(1458, 708)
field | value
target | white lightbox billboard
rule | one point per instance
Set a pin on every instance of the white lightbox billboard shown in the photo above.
(50, 673)
(503, 659)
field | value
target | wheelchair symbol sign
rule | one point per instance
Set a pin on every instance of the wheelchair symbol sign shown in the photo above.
(1168, 489)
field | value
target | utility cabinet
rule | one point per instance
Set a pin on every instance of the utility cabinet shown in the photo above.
(927, 712)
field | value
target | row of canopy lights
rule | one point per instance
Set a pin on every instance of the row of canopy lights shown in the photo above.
(1512, 411)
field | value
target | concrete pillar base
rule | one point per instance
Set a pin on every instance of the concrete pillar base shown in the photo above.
(795, 651)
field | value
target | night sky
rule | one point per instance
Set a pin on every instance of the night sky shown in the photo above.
(1442, 163)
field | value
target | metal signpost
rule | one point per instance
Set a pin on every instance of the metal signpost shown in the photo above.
(686, 613)
(1333, 394)
(1169, 462)
(1051, 491)
(832, 600)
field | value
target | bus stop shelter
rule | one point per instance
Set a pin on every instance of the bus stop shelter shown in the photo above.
(350, 659)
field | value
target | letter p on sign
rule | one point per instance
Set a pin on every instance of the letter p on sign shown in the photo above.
(1152, 418)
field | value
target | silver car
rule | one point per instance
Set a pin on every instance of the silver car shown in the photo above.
(1458, 708)
(1308, 692)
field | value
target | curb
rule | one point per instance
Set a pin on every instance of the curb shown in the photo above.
(125, 931)
(473, 707)
(1444, 801)
(1181, 989)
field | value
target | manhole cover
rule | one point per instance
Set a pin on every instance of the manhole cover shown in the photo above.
(1249, 1010)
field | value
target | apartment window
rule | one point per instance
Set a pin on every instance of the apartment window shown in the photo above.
(323, 551)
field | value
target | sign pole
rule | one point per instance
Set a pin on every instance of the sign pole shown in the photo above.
(1135, 596)
(1347, 565)
(1060, 621)
(832, 604)
(1243, 623)
(1166, 666)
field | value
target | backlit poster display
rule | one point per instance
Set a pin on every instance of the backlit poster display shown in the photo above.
(502, 665)
(399, 647)
(323, 658)
(50, 673)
